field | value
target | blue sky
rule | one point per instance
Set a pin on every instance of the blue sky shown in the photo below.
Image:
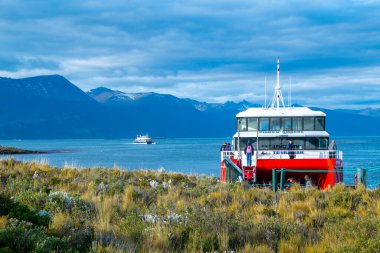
(207, 50)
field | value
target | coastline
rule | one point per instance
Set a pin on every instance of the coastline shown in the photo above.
(4, 150)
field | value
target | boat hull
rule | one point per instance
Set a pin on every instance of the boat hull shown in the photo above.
(324, 172)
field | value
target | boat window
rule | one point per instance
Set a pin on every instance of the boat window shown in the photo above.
(275, 124)
(297, 124)
(308, 124)
(284, 143)
(254, 143)
(312, 143)
(242, 124)
(286, 124)
(244, 142)
(320, 124)
(252, 124)
(275, 144)
(323, 143)
(236, 145)
(299, 143)
(264, 143)
(264, 124)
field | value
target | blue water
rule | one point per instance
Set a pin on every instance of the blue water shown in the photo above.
(192, 155)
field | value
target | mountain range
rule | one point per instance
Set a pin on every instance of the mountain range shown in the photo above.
(52, 107)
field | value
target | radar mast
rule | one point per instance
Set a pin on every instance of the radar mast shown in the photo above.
(277, 97)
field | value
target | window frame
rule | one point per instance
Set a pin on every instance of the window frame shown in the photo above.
(283, 126)
(257, 124)
(323, 125)
(239, 125)
(313, 121)
(268, 123)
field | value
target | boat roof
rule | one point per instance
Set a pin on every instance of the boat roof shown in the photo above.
(280, 112)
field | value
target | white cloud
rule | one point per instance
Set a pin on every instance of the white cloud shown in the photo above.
(202, 49)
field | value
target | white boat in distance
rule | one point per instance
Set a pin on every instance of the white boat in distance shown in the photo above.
(143, 139)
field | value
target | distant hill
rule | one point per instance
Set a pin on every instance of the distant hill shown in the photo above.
(371, 112)
(47, 107)
(53, 107)
(119, 99)
(341, 123)
(52, 87)
(167, 115)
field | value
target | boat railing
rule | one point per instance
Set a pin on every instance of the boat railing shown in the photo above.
(285, 154)
(300, 154)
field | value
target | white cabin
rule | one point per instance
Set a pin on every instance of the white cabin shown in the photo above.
(274, 127)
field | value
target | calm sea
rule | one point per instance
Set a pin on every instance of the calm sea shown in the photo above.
(192, 155)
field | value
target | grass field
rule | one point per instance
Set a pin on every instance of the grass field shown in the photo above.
(46, 209)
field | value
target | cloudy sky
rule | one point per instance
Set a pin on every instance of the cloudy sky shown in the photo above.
(207, 50)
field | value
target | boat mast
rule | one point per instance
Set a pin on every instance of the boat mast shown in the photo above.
(277, 97)
(265, 91)
(290, 102)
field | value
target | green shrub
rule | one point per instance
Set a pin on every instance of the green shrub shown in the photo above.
(22, 236)
(22, 212)
(37, 200)
(132, 229)
(179, 238)
(6, 205)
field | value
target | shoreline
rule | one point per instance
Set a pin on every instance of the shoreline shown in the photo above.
(4, 150)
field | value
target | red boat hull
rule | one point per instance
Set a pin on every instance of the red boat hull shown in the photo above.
(329, 176)
(323, 179)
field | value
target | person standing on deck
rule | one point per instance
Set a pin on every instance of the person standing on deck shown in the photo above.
(290, 146)
(249, 151)
(309, 182)
(332, 148)
(228, 148)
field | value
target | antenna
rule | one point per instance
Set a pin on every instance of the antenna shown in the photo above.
(277, 97)
(265, 91)
(290, 91)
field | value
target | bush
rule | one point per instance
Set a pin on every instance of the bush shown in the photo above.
(22, 236)
(64, 202)
(22, 212)
(6, 205)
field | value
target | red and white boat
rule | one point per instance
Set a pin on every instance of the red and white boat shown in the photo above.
(269, 130)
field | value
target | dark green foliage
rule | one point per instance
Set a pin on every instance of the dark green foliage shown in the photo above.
(37, 200)
(22, 212)
(179, 238)
(270, 212)
(6, 205)
(21, 236)
(132, 228)
(6, 250)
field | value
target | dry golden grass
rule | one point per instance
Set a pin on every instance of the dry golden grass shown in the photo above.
(58, 223)
(104, 210)
(3, 220)
(208, 217)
